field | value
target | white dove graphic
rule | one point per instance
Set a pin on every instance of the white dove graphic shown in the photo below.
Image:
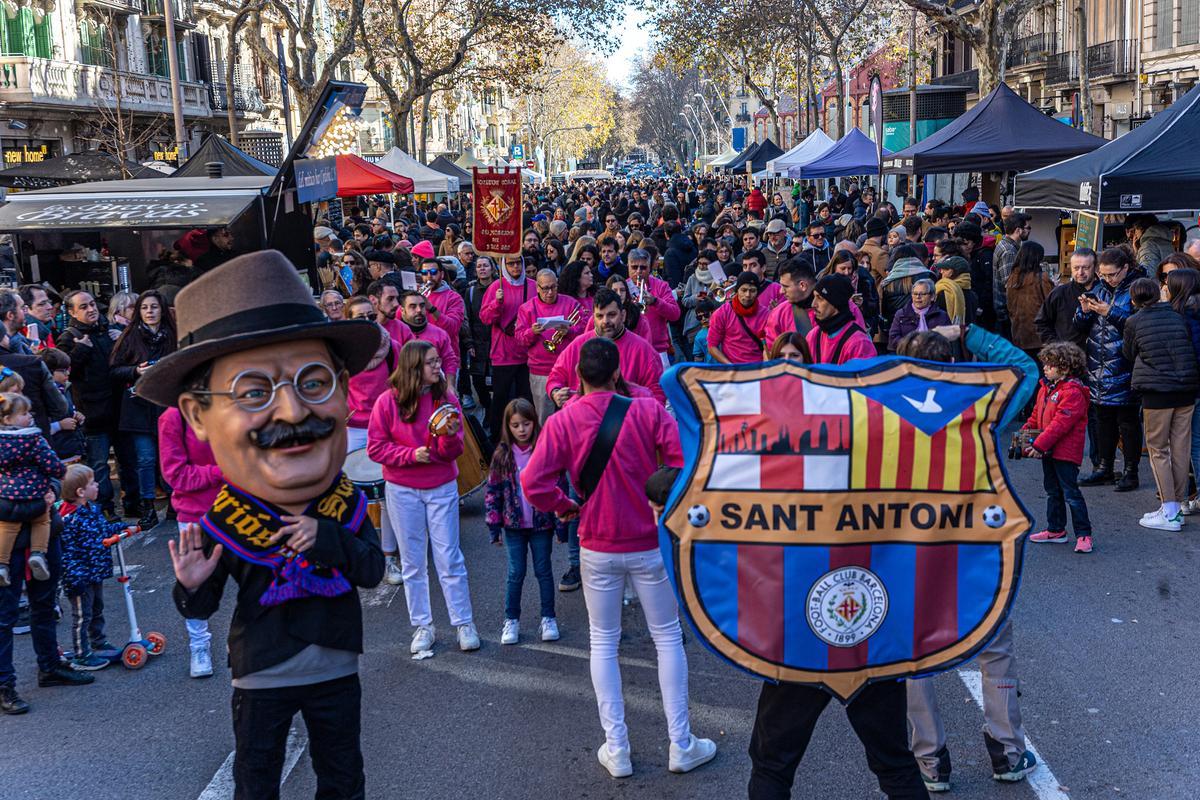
(926, 406)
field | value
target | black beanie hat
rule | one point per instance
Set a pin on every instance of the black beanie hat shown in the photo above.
(876, 227)
(836, 289)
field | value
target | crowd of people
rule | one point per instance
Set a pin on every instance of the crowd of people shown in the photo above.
(559, 352)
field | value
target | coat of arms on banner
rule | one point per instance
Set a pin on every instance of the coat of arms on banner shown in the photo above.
(839, 525)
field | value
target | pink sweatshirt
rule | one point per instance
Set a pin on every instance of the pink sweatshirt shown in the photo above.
(642, 329)
(502, 316)
(617, 518)
(441, 340)
(393, 442)
(451, 311)
(781, 320)
(188, 467)
(725, 332)
(771, 295)
(365, 388)
(639, 364)
(541, 359)
(401, 334)
(858, 346)
(661, 313)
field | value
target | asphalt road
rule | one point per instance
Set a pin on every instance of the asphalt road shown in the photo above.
(1109, 688)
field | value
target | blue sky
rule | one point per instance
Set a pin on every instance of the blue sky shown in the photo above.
(634, 41)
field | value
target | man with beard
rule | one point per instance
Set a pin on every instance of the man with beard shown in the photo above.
(502, 302)
(640, 364)
(610, 260)
(220, 251)
(414, 307)
(797, 282)
(445, 306)
(261, 376)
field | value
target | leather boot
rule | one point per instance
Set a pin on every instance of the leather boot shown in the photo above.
(1102, 475)
(1129, 480)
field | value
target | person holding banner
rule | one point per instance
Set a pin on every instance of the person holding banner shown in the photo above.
(546, 325)
(609, 445)
(510, 368)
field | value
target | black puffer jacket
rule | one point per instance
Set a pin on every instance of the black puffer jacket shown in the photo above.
(137, 414)
(91, 376)
(1159, 344)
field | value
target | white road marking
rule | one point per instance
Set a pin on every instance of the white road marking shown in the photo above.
(576, 652)
(1041, 780)
(221, 785)
(381, 595)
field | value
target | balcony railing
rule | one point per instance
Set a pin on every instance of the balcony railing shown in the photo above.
(120, 6)
(71, 85)
(967, 78)
(1029, 50)
(246, 96)
(184, 13)
(1062, 68)
(1105, 60)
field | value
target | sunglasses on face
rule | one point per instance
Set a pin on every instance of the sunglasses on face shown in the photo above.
(817, 235)
(429, 272)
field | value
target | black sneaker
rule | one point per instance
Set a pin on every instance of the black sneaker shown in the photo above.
(570, 580)
(149, 519)
(62, 675)
(11, 702)
(22, 624)
(940, 782)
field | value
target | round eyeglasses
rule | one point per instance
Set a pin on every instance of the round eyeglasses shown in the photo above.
(314, 383)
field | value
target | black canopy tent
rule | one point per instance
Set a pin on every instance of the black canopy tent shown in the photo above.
(1001, 133)
(1153, 168)
(739, 163)
(448, 167)
(234, 162)
(767, 151)
(93, 165)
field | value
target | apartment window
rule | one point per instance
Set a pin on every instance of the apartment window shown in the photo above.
(1189, 26)
(94, 44)
(24, 35)
(1164, 25)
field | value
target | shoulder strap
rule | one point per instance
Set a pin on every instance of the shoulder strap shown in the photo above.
(746, 327)
(601, 452)
(850, 329)
(390, 358)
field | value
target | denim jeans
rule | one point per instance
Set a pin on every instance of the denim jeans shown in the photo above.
(41, 608)
(97, 456)
(145, 450)
(1061, 482)
(538, 543)
(332, 712)
(573, 534)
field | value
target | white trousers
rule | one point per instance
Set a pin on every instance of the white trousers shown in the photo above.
(541, 400)
(356, 439)
(425, 517)
(603, 588)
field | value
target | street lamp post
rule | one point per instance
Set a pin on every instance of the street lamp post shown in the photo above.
(695, 136)
(700, 127)
(720, 139)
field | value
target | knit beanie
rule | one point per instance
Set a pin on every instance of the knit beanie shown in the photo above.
(836, 289)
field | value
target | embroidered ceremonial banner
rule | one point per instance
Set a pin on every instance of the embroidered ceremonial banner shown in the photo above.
(496, 211)
(836, 526)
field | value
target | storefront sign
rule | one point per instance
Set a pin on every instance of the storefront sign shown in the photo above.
(496, 220)
(170, 156)
(24, 154)
(316, 179)
(123, 212)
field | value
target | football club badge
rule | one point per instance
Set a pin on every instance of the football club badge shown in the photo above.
(839, 525)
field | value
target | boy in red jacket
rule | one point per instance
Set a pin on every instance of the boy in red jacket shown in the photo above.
(1060, 413)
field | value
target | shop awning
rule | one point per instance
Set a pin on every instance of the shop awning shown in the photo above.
(144, 204)
(425, 179)
(357, 176)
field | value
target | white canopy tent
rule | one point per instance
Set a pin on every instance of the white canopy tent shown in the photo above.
(815, 145)
(723, 159)
(425, 180)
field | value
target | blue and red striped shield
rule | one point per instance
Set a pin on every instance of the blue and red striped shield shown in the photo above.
(837, 525)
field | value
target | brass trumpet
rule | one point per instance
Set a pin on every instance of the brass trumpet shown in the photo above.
(723, 290)
(556, 339)
(641, 294)
(424, 290)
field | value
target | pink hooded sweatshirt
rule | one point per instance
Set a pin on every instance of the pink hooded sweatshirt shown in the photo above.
(617, 518)
(502, 316)
(640, 364)
(393, 442)
(727, 333)
(541, 359)
(781, 320)
(858, 345)
(365, 388)
(661, 313)
(451, 311)
(188, 467)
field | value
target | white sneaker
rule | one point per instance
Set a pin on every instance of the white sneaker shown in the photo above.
(1159, 521)
(422, 639)
(468, 637)
(201, 666)
(4, 580)
(615, 761)
(549, 629)
(698, 752)
(39, 568)
(512, 632)
(391, 571)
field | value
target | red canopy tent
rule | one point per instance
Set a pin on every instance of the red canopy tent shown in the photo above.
(357, 176)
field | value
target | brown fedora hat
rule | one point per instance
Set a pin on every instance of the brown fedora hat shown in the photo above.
(248, 302)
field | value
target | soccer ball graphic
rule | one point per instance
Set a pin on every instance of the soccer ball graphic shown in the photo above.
(994, 516)
(698, 516)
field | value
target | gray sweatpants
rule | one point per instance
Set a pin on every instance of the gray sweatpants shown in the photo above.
(1001, 711)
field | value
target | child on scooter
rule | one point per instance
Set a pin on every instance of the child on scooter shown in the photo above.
(86, 564)
(27, 467)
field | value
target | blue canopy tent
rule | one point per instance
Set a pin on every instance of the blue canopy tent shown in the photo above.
(853, 154)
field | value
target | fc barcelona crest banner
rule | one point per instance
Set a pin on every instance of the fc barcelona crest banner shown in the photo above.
(496, 211)
(840, 525)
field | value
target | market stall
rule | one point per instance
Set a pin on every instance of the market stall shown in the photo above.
(217, 149)
(815, 145)
(426, 180)
(447, 167)
(356, 176)
(739, 164)
(853, 154)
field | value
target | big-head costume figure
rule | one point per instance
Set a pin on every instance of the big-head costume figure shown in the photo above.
(261, 376)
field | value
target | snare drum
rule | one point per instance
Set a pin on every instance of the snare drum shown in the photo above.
(367, 476)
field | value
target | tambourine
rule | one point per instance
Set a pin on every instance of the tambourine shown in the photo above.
(442, 418)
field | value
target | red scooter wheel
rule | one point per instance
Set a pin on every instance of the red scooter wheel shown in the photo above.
(158, 643)
(134, 656)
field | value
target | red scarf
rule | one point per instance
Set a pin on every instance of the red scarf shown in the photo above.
(743, 311)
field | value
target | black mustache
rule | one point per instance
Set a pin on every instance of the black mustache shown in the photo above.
(284, 434)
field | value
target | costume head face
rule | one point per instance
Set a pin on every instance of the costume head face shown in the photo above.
(290, 451)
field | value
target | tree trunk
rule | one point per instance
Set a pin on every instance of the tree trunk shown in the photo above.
(1081, 48)
(990, 53)
(836, 57)
(425, 100)
(230, 110)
